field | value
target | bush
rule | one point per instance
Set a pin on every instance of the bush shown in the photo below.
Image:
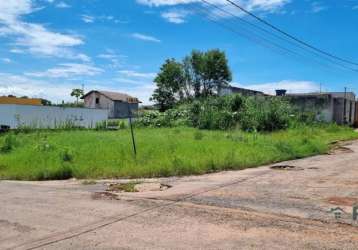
(9, 144)
(67, 155)
(224, 113)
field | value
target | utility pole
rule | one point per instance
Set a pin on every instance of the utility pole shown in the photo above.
(345, 106)
(132, 132)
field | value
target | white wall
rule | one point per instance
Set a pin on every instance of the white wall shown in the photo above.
(49, 117)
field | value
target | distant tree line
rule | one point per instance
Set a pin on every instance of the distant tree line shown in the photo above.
(200, 74)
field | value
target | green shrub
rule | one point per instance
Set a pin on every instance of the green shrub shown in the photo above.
(67, 155)
(256, 113)
(198, 135)
(9, 144)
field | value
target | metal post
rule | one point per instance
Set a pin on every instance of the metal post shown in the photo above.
(345, 106)
(132, 133)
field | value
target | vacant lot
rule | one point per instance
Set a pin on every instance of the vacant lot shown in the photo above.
(45, 155)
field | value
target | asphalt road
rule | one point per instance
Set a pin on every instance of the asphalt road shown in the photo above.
(263, 208)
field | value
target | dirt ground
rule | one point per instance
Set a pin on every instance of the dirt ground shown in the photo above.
(285, 207)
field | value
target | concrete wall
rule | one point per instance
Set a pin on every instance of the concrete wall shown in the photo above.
(339, 116)
(321, 105)
(49, 117)
(104, 102)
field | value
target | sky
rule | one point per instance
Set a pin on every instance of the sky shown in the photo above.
(49, 47)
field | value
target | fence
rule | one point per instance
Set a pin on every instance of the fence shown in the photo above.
(49, 117)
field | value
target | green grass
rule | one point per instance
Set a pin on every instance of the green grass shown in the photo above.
(48, 155)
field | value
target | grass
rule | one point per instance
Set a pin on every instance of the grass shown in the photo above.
(123, 187)
(49, 155)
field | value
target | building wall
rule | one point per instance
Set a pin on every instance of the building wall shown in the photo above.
(104, 103)
(245, 92)
(49, 116)
(121, 109)
(21, 101)
(344, 118)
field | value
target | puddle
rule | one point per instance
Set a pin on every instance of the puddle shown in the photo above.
(286, 167)
(340, 150)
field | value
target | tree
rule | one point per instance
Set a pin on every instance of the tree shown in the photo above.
(77, 93)
(201, 74)
(209, 71)
(169, 82)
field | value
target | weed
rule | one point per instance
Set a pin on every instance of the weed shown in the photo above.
(123, 187)
(198, 135)
(9, 144)
(67, 155)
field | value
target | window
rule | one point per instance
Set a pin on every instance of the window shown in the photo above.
(97, 100)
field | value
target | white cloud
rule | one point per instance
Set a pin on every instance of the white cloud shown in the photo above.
(62, 5)
(67, 70)
(260, 5)
(317, 7)
(165, 2)
(31, 37)
(24, 86)
(143, 37)
(115, 59)
(17, 51)
(132, 73)
(175, 16)
(289, 85)
(6, 60)
(87, 18)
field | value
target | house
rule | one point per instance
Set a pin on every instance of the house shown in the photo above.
(20, 101)
(339, 107)
(230, 90)
(118, 104)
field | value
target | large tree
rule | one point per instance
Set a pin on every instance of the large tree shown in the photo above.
(200, 74)
(209, 72)
(169, 82)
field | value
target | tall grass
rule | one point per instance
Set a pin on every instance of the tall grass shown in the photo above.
(46, 155)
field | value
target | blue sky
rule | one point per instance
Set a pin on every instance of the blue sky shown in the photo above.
(49, 47)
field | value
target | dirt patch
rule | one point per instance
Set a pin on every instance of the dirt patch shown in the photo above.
(89, 182)
(343, 201)
(151, 187)
(104, 196)
(286, 167)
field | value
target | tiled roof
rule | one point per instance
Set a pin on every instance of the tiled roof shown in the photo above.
(116, 96)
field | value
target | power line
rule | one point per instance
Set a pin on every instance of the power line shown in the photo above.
(257, 38)
(242, 20)
(291, 36)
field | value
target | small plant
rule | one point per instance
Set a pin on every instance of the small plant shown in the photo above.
(123, 187)
(9, 144)
(67, 155)
(122, 125)
(44, 146)
(198, 135)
